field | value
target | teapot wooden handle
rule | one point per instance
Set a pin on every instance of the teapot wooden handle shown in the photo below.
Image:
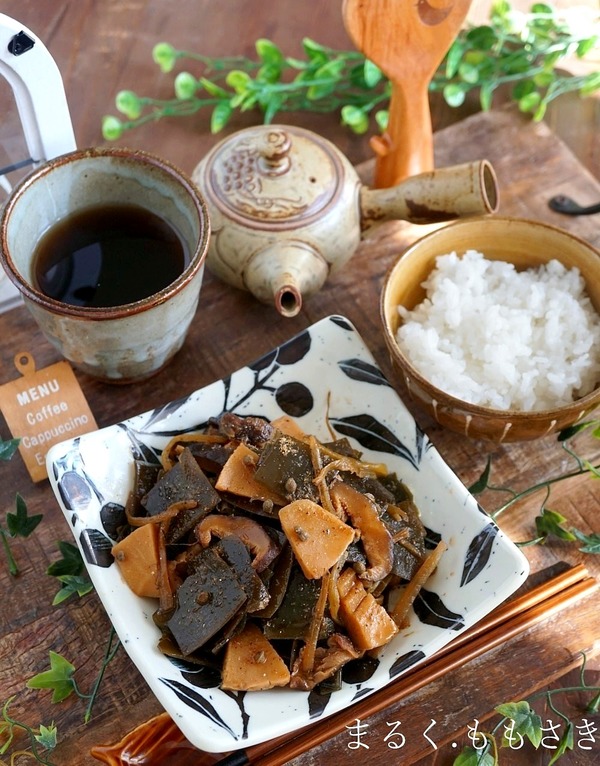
(457, 191)
(406, 148)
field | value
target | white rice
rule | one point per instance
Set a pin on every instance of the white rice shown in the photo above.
(491, 335)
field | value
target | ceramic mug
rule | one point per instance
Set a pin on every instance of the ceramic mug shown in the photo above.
(120, 343)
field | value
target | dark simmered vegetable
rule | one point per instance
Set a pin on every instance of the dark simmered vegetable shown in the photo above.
(275, 558)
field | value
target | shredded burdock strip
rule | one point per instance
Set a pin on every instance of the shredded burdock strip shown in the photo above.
(310, 647)
(411, 591)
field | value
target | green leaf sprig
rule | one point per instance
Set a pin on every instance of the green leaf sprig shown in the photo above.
(550, 523)
(19, 524)
(70, 572)
(518, 52)
(519, 722)
(42, 740)
(60, 678)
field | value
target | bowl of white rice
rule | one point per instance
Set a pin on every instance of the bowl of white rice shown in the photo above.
(493, 325)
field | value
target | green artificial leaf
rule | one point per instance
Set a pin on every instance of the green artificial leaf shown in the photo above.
(355, 118)
(454, 95)
(269, 73)
(566, 743)
(314, 51)
(591, 542)
(8, 448)
(47, 737)
(269, 53)
(295, 63)
(372, 74)
(526, 721)
(20, 523)
(112, 128)
(543, 8)
(585, 46)
(238, 80)
(523, 89)
(129, 104)
(482, 37)
(382, 118)
(272, 106)
(165, 56)
(220, 116)
(530, 102)
(482, 482)
(468, 72)
(471, 756)
(552, 523)
(71, 562)
(72, 584)
(486, 94)
(58, 678)
(212, 88)
(570, 431)
(185, 86)
(590, 84)
(454, 57)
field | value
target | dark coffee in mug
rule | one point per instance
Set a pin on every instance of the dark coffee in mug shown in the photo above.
(108, 255)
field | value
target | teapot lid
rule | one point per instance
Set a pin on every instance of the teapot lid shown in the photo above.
(273, 176)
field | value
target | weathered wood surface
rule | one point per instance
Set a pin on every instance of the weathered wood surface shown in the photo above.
(105, 45)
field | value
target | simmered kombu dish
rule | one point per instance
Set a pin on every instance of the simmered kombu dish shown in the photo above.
(274, 558)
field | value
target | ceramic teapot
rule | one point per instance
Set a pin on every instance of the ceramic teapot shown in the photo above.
(288, 209)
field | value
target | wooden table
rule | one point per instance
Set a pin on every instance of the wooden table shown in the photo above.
(104, 46)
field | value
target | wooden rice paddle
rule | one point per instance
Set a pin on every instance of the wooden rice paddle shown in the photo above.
(408, 40)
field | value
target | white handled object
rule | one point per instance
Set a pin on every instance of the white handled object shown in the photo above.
(35, 79)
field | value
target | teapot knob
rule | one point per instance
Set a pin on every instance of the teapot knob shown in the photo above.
(274, 148)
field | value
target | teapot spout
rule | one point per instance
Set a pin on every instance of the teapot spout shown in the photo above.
(458, 191)
(284, 274)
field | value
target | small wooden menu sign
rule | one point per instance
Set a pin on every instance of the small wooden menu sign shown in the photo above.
(42, 408)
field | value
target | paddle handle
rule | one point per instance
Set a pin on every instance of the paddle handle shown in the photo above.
(406, 148)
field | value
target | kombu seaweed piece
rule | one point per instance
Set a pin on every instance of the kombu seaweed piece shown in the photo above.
(409, 557)
(285, 467)
(237, 555)
(207, 601)
(210, 456)
(185, 481)
(292, 619)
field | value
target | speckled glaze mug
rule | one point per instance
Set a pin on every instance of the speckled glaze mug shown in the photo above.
(123, 343)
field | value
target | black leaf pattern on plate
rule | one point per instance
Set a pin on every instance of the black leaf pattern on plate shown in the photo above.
(112, 518)
(317, 703)
(75, 492)
(431, 610)
(263, 362)
(140, 450)
(479, 553)
(406, 661)
(359, 671)
(372, 434)
(342, 322)
(294, 399)
(96, 547)
(295, 349)
(361, 693)
(197, 702)
(364, 372)
(160, 413)
(422, 442)
(202, 676)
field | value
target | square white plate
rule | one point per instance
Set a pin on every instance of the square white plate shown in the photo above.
(326, 372)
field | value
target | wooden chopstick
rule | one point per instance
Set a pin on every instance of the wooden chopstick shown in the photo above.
(499, 626)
